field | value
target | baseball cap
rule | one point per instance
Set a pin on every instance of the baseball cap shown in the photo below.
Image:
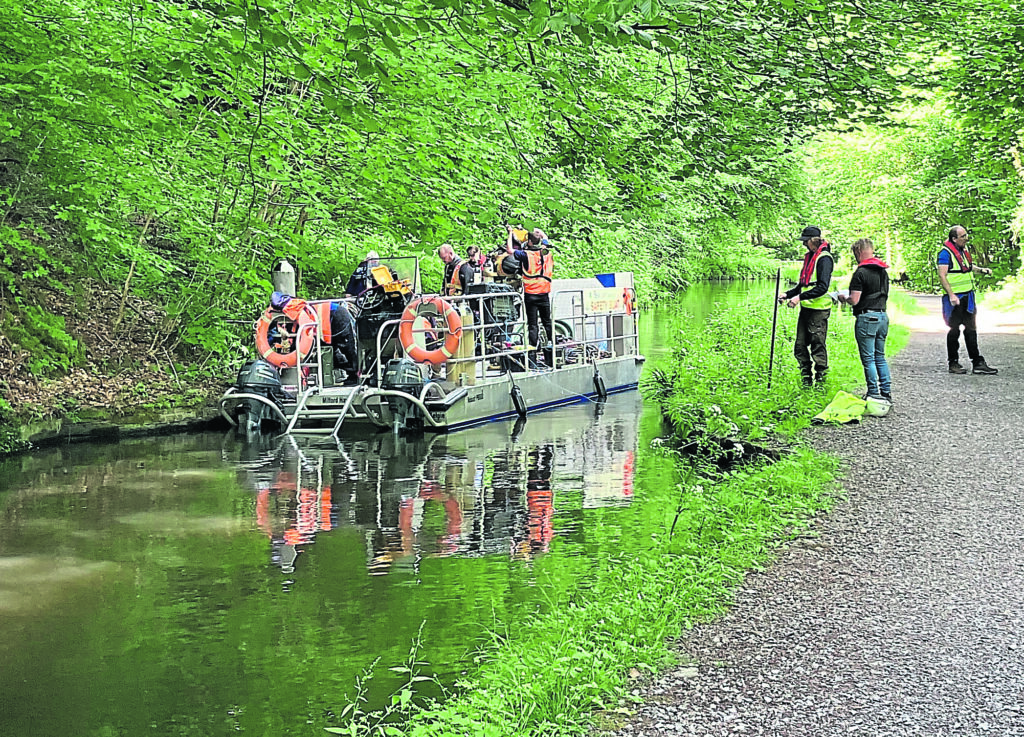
(809, 232)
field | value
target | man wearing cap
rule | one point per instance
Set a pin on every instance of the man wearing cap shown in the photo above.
(811, 294)
(361, 278)
(956, 274)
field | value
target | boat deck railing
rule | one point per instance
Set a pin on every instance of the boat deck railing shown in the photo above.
(579, 336)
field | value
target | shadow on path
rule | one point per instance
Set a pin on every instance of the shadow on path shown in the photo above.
(906, 615)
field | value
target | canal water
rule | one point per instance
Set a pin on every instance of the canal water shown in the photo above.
(197, 585)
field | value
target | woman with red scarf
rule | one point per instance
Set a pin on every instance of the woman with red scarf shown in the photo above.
(811, 294)
(869, 295)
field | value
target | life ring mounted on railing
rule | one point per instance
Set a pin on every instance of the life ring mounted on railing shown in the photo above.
(304, 334)
(453, 324)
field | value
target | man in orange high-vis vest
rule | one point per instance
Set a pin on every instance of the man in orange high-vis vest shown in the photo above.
(458, 274)
(537, 268)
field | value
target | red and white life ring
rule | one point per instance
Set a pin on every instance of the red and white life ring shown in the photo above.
(451, 340)
(305, 336)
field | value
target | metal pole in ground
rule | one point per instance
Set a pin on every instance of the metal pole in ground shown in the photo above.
(775, 320)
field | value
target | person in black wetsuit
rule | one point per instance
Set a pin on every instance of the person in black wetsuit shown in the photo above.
(343, 341)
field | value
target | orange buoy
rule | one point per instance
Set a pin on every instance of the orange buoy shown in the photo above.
(305, 337)
(451, 341)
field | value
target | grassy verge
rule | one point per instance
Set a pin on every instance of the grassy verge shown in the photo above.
(718, 381)
(700, 535)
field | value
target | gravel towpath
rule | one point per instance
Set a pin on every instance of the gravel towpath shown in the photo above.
(906, 615)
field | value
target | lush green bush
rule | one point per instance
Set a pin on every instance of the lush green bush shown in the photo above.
(10, 437)
(44, 337)
(717, 384)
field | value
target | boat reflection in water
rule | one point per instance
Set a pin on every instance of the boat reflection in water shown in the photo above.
(491, 490)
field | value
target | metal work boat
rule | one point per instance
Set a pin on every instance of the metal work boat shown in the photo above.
(426, 362)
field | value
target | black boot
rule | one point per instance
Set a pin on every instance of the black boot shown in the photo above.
(956, 368)
(980, 367)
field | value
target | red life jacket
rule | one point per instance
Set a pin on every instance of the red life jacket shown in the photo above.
(537, 272)
(963, 258)
(810, 262)
(874, 262)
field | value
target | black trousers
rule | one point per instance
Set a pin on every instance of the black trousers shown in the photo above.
(538, 310)
(343, 339)
(961, 317)
(809, 348)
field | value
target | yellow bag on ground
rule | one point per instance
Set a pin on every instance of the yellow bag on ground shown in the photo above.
(843, 409)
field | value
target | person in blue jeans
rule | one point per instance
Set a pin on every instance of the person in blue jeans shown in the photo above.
(869, 293)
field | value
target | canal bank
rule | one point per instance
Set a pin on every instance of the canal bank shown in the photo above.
(57, 431)
(900, 613)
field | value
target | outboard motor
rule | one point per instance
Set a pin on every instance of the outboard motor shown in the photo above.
(258, 377)
(404, 375)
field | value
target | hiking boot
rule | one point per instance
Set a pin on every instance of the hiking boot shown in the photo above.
(956, 368)
(980, 367)
(887, 397)
(806, 381)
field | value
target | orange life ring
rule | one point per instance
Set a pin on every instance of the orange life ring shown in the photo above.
(451, 340)
(305, 335)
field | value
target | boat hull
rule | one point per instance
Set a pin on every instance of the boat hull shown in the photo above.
(487, 400)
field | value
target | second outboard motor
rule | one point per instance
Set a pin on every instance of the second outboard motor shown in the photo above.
(404, 375)
(258, 377)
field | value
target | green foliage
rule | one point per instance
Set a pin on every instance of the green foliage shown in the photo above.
(905, 187)
(176, 151)
(951, 157)
(44, 336)
(10, 438)
(716, 386)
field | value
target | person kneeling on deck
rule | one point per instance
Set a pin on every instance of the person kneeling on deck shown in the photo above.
(343, 342)
(458, 274)
(537, 267)
(811, 295)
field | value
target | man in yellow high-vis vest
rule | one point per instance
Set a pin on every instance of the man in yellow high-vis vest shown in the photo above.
(811, 294)
(959, 308)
